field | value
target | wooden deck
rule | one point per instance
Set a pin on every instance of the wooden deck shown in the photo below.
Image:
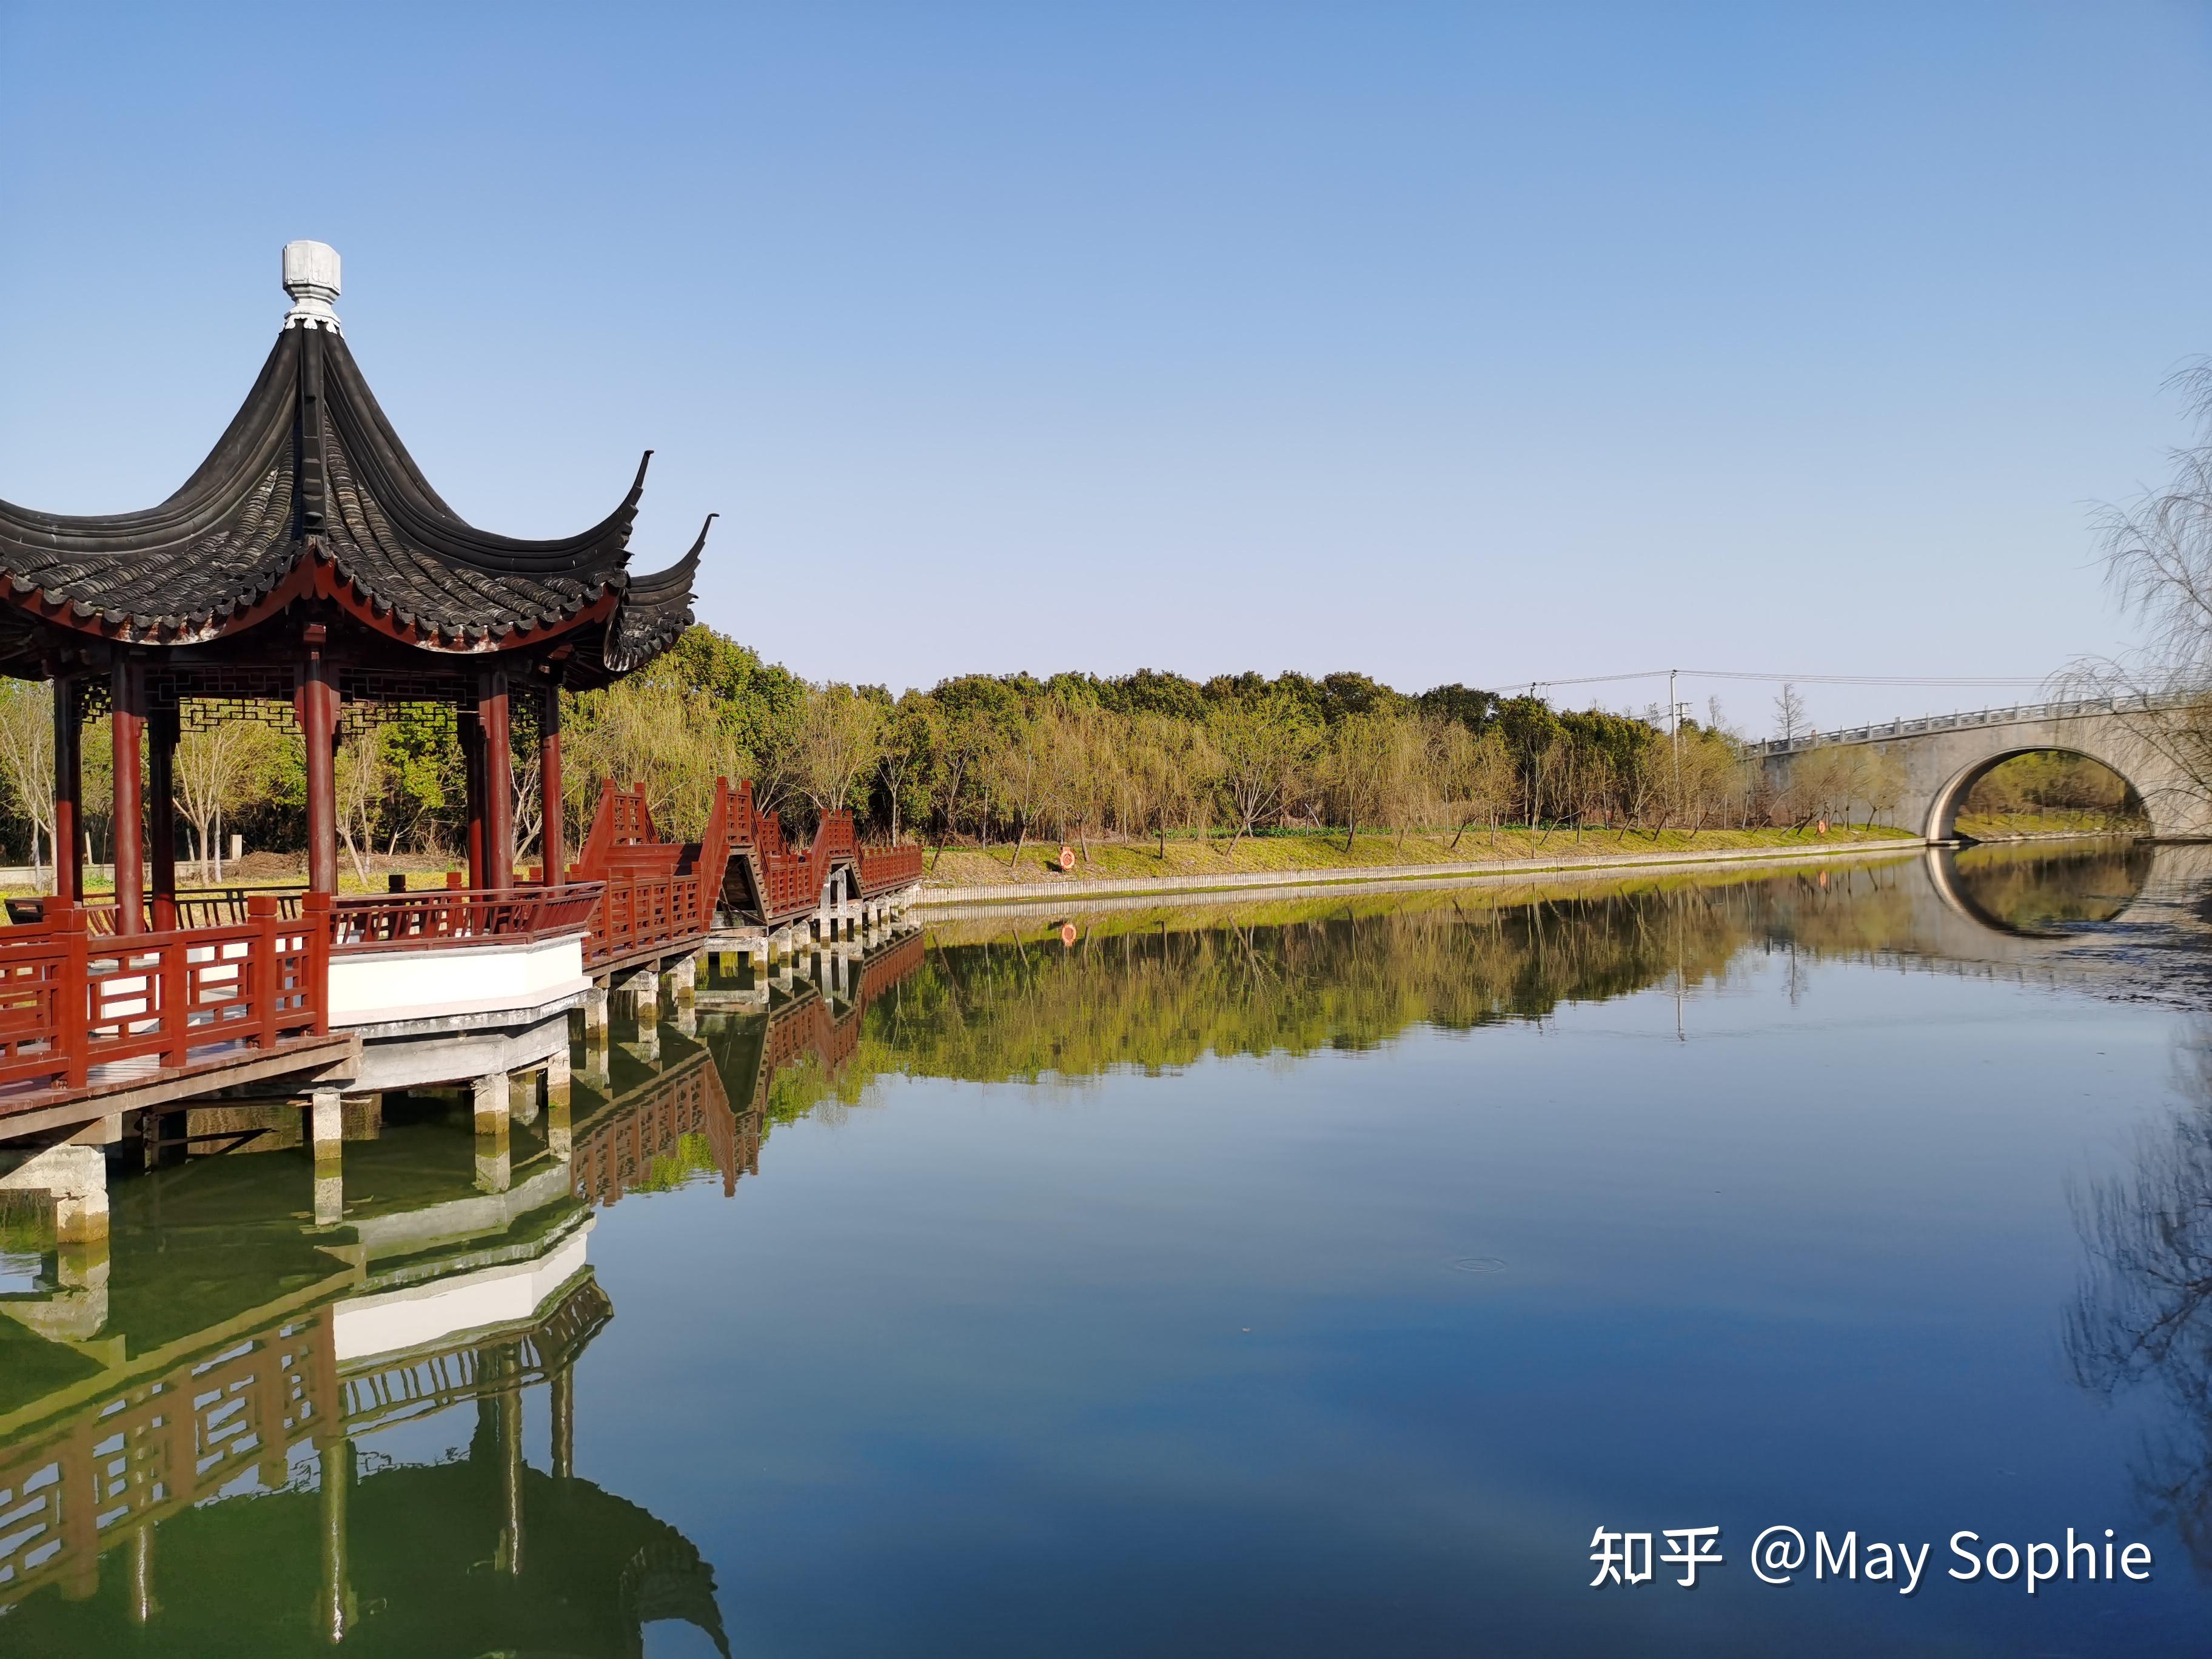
(131, 1085)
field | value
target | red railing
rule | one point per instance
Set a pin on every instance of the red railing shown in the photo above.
(631, 895)
(656, 894)
(435, 916)
(211, 907)
(70, 1001)
(459, 915)
(885, 869)
(788, 883)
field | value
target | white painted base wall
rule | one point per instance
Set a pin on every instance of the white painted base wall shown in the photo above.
(371, 987)
(399, 1320)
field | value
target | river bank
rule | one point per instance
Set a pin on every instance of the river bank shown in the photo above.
(962, 876)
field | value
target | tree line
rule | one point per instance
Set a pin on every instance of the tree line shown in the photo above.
(999, 761)
(991, 761)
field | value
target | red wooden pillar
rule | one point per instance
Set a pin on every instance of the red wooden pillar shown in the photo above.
(494, 734)
(472, 775)
(316, 707)
(553, 835)
(162, 812)
(128, 693)
(68, 788)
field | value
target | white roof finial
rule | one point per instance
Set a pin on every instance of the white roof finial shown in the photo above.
(311, 277)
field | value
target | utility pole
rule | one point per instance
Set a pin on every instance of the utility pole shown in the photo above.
(1674, 730)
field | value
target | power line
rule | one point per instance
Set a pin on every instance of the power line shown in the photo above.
(1801, 679)
(1875, 679)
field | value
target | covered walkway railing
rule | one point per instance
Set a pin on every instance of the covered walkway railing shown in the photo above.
(203, 975)
(72, 1002)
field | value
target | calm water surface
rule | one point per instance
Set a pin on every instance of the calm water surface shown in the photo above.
(1306, 1277)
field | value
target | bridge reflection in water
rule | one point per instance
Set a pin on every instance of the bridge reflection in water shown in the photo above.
(192, 1436)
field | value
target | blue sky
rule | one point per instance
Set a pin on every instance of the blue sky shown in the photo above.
(1445, 342)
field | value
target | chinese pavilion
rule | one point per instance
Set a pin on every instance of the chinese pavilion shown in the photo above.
(308, 562)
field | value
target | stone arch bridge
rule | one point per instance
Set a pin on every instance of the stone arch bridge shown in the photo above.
(1944, 754)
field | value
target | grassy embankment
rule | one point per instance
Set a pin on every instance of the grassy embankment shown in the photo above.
(1325, 853)
(1322, 854)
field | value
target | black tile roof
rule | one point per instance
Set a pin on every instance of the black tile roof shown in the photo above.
(310, 465)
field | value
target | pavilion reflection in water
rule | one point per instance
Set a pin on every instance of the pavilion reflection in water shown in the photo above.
(308, 1541)
(189, 1428)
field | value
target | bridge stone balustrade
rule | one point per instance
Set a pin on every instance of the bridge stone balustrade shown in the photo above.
(1943, 755)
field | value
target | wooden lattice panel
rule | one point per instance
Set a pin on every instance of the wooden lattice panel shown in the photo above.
(220, 682)
(196, 713)
(165, 1443)
(159, 1446)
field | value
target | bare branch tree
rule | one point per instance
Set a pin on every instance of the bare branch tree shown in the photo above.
(26, 757)
(1790, 717)
(221, 768)
(2158, 560)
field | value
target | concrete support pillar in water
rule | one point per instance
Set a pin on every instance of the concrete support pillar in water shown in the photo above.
(494, 1172)
(684, 992)
(76, 1175)
(326, 1138)
(507, 1558)
(148, 1130)
(334, 1605)
(596, 1033)
(363, 1117)
(144, 1606)
(644, 989)
(522, 1096)
(563, 1403)
(558, 1140)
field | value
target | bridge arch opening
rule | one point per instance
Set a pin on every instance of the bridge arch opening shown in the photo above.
(2038, 790)
(2027, 890)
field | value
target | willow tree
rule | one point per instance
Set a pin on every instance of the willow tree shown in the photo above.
(2158, 560)
(838, 741)
(1264, 743)
(1372, 769)
(652, 730)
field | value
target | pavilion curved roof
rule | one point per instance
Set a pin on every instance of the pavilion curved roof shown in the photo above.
(310, 490)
